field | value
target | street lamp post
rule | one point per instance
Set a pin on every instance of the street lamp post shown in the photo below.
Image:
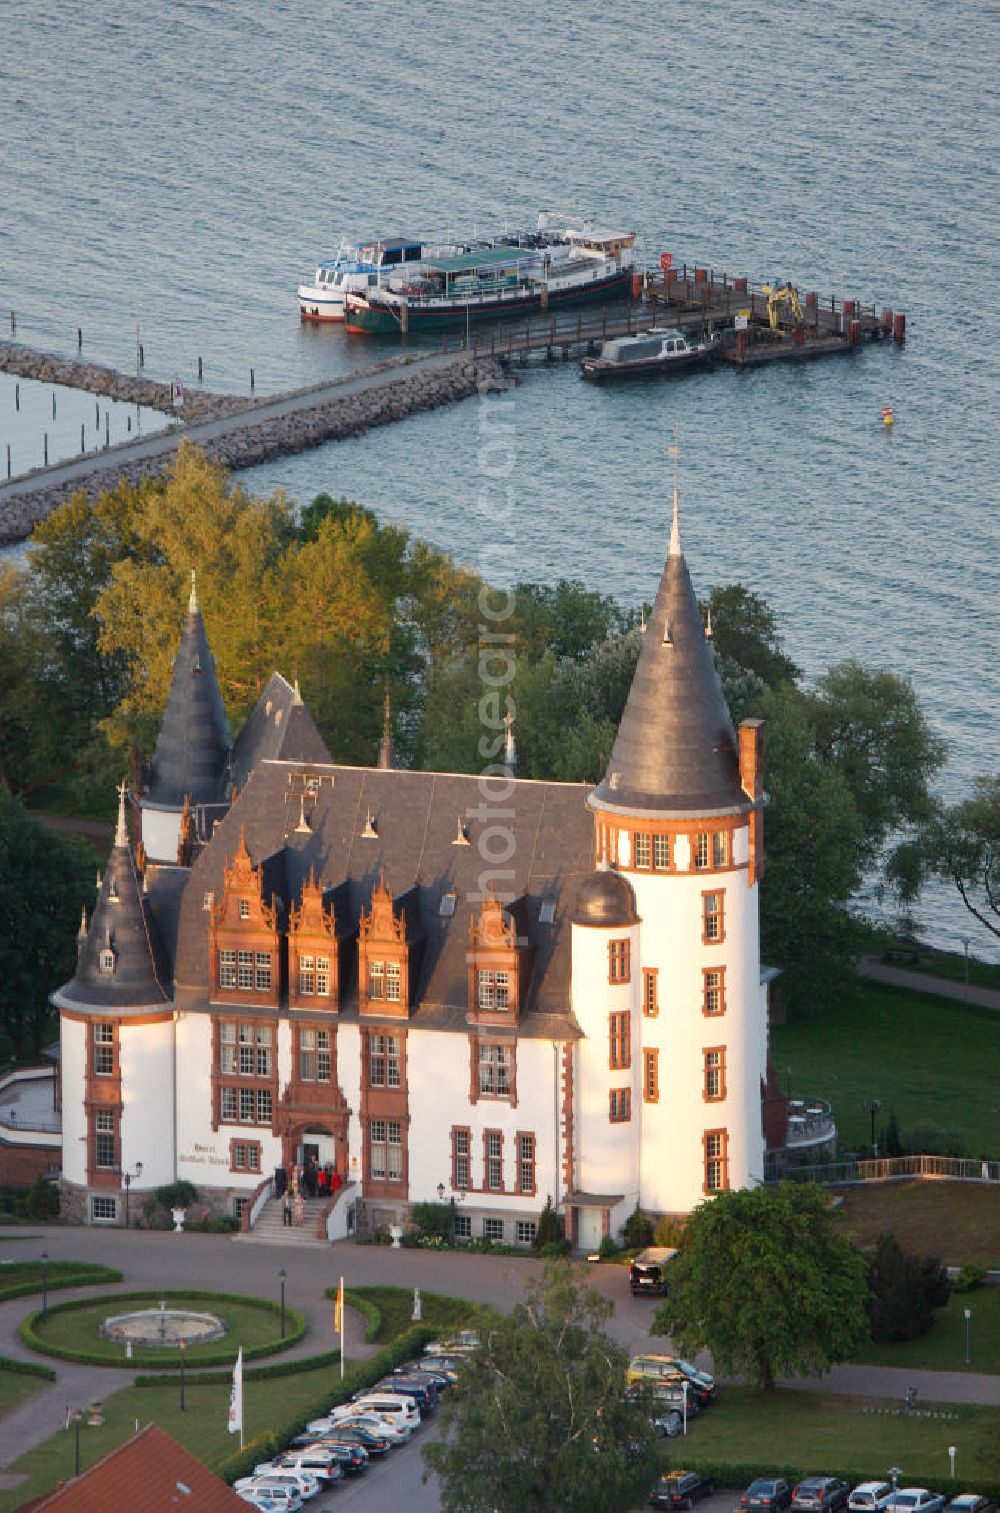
(45, 1284)
(182, 1347)
(968, 1322)
(76, 1418)
(684, 1393)
(876, 1105)
(966, 942)
(281, 1278)
(127, 1180)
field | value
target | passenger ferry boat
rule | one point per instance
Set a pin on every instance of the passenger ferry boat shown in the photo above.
(660, 350)
(497, 280)
(354, 269)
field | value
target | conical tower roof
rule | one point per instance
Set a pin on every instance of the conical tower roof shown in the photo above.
(676, 750)
(194, 740)
(121, 966)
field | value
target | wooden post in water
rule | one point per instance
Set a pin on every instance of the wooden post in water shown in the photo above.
(53, 404)
(83, 439)
(45, 447)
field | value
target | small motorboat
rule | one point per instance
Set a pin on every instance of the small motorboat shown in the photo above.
(662, 349)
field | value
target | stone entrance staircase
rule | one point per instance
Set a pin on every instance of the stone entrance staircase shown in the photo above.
(271, 1230)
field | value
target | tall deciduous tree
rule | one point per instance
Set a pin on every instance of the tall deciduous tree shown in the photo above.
(767, 1284)
(960, 844)
(542, 1420)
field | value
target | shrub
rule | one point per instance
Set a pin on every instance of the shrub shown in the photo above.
(891, 1143)
(42, 1201)
(608, 1250)
(553, 1249)
(670, 1232)
(905, 1290)
(637, 1231)
(549, 1230)
(969, 1278)
(433, 1219)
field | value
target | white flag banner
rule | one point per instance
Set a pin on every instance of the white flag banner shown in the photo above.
(236, 1398)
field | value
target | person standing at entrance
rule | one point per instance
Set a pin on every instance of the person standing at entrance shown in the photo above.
(286, 1209)
(321, 1182)
(300, 1208)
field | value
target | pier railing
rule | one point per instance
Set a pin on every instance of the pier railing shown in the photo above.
(895, 1169)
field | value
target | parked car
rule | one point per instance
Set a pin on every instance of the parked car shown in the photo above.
(318, 1461)
(971, 1502)
(424, 1394)
(387, 1428)
(916, 1500)
(456, 1344)
(448, 1365)
(397, 1406)
(672, 1369)
(264, 1495)
(669, 1424)
(820, 1494)
(767, 1492)
(869, 1497)
(418, 1372)
(649, 1271)
(352, 1432)
(352, 1456)
(306, 1486)
(681, 1489)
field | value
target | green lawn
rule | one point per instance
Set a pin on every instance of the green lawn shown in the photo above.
(16, 1388)
(77, 1329)
(396, 1307)
(943, 1349)
(15, 1276)
(930, 1060)
(958, 1221)
(201, 1428)
(982, 974)
(820, 1432)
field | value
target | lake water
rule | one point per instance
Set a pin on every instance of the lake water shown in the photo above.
(196, 158)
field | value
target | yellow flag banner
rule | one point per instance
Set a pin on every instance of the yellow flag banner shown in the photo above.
(338, 1310)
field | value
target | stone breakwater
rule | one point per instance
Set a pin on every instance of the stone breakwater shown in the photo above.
(25, 362)
(243, 437)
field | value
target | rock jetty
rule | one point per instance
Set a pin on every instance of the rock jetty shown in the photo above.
(241, 434)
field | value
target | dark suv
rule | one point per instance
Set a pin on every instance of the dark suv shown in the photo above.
(820, 1494)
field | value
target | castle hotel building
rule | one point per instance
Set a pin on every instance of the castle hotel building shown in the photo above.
(295, 958)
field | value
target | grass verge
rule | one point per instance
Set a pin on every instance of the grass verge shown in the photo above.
(16, 1387)
(825, 1433)
(931, 1062)
(395, 1310)
(19, 1279)
(959, 1221)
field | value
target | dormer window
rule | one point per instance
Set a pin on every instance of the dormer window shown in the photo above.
(384, 981)
(244, 935)
(313, 965)
(244, 908)
(493, 990)
(384, 955)
(106, 961)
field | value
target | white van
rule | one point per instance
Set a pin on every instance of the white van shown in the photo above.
(391, 1405)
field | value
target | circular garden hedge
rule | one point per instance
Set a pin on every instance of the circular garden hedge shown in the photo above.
(70, 1332)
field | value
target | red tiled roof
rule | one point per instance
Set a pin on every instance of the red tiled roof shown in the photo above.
(150, 1473)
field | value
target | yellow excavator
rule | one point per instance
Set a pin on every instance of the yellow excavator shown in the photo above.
(778, 296)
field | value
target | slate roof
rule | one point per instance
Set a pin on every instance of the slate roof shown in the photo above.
(192, 748)
(416, 816)
(147, 1474)
(123, 921)
(675, 752)
(279, 727)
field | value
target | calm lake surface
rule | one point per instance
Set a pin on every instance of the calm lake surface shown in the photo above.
(179, 168)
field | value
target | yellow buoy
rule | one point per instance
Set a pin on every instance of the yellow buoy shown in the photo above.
(888, 418)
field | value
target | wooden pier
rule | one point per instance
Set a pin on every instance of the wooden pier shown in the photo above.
(700, 302)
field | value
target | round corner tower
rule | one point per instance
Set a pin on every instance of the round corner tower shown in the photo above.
(671, 999)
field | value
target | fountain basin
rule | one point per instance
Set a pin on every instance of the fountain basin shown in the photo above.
(165, 1327)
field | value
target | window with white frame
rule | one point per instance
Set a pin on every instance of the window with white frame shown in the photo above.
(314, 1055)
(720, 848)
(240, 1206)
(661, 853)
(525, 1231)
(104, 1050)
(494, 1070)
(385, 1158)
(494, 1161)
(227, 969)
(245, 1156)
(642, 848)
(104, 1140)
(322, 977)
(493, 1230)
(262, 971)
(460, 1159)
(384, 1063)
(493, 990)
(463, 1226)
(701, 850)
(245, 1105)
(104, 1210)
(526, 1163)
(244, 971)
(244, 908)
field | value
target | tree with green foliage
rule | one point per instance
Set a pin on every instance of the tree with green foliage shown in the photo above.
(905, 1291)
(767, 1284)
(45, 879)
(543, 1419)
(960, 843)
(746, 635)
